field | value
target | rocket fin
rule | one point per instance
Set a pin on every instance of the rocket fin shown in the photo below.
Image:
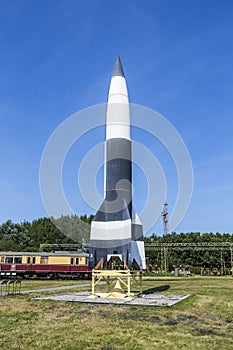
(137, 243)
(138, 253)
(137, 228)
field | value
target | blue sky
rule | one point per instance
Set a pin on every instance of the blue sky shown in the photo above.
(56, 58)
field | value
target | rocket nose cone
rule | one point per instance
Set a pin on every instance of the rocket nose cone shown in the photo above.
(118, 70)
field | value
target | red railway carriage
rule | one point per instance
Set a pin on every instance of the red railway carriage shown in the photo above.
(54, 265)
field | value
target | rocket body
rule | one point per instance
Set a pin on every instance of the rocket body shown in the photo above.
(116, 230)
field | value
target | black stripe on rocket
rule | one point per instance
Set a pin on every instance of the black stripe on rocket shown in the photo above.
(117, 205)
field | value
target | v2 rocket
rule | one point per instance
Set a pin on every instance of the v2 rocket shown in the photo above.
(116, 230)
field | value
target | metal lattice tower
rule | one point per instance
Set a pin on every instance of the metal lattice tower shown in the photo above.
(165, 219)
(166, 249)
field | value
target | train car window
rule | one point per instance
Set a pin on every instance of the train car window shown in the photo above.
(77, 261)
(34, 260)
(44, 259)
(9, 260)
(2, 259)
(18, 260)
(28, 260)
(87, 261)
(72, 261)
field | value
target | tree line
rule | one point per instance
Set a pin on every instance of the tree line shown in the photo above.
(27, 236)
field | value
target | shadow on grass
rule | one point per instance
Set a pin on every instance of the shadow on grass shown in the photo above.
(156, 289)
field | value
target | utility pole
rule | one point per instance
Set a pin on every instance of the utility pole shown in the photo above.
(165, 219)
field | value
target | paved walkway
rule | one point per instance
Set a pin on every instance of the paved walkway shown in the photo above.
(3, 293)
(55, 288)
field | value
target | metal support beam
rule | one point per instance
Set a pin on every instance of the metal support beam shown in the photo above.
(164, 249)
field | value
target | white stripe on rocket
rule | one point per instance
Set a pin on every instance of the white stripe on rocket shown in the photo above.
(111, 230)
(118, 112)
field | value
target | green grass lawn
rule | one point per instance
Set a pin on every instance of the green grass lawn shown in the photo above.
(203, 321)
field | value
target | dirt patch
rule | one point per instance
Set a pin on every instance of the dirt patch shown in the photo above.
(105, 313)
(184, 317)
(133, 317)
(171, 322)
(155, 319)
(203, 331)
(227, 320)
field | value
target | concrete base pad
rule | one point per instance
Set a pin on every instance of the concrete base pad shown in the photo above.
(154, 299)
(112, 295)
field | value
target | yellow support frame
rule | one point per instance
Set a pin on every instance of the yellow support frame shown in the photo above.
(124, 277)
